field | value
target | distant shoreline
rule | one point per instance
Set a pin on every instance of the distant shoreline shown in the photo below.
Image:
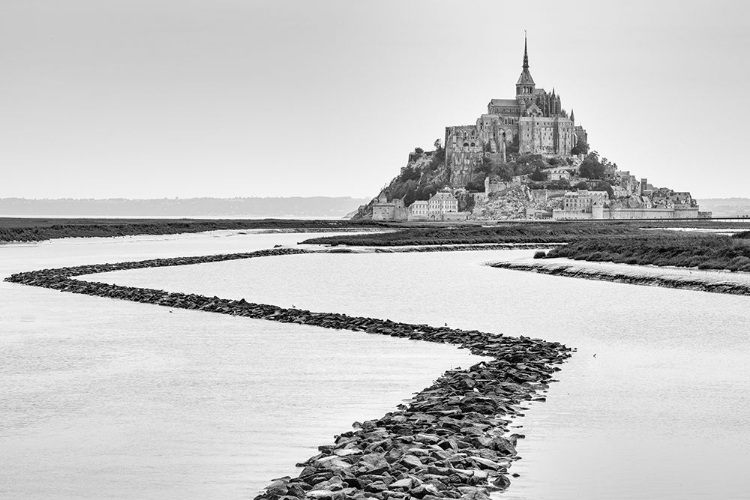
(298, 207)
(34, 229)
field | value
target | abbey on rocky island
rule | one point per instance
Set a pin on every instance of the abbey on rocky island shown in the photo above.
(534, 122)
(524, 159)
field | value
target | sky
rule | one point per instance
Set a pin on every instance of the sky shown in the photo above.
(235, 98)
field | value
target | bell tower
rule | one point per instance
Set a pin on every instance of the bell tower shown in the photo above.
(525, 85)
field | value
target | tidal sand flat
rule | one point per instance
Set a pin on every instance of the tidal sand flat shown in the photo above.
(113, 399)
(668, 386)
(448, 441)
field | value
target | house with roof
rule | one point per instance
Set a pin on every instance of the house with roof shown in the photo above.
(441, 206)
(558, 174)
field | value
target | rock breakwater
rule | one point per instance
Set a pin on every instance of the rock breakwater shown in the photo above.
(450, 441)
(685, 283)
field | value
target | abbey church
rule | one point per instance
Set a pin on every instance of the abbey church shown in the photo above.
(534, 122)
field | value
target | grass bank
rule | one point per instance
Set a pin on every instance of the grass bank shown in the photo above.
(531, 232)
(680, 250)
(40, 229)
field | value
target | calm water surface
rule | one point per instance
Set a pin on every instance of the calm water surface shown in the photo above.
(111, 399)
(655, 404)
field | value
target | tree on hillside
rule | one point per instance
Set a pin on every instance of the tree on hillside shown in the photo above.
(522, 169)
(486, 166)
(440, 155)
(528, 158)
(505, 172)
(438, 158)
(581, 147)
(539, 163)
(410, 195)
(605, 186)
(591, 167)
(409, 173)
(561, 184)
(538, 175)
(495, 166)
(512, 148)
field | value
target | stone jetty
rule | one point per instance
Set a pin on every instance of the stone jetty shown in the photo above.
(450, 441)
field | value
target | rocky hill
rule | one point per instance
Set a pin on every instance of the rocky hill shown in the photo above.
(516, 201)
(426, 173)
(523, 186)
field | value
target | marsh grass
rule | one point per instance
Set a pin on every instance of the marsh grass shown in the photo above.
(464, 234)
(40, 229)
(702, 252)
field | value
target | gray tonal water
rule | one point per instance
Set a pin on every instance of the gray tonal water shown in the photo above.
(112, 399)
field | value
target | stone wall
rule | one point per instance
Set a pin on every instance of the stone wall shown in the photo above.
(645, 213)
(383, 211)
(547, 194)
(628, 213)
(560, 214)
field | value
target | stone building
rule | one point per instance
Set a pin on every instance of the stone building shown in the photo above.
(559, 173)
(442, 202)
(619, 192)
(442, 206)
(493, 184)
(628, 182)
(583, 200)
(534, 121)
(394, 210)
(596, 205)
(419, 209)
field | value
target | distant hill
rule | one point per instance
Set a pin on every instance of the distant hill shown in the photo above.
(726, 207)
(277, 207)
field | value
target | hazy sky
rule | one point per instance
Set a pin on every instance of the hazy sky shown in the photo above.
(165, 98)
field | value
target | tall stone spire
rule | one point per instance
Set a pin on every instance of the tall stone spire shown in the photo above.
(525, 84)
(525, 52)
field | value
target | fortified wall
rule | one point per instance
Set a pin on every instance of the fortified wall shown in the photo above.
(601, 212)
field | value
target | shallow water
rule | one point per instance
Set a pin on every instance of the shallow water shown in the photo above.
(113, 399)
(655, 404)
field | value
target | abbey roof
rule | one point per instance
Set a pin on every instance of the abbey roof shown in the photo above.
(525, 78)
(504, 102)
